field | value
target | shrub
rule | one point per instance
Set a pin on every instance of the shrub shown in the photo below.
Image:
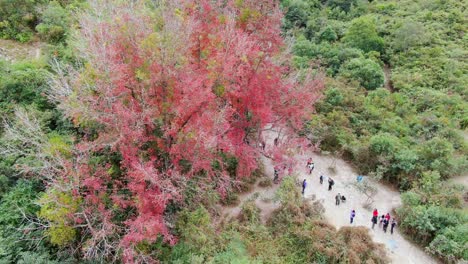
(196, 231)
(368, 73)
(451, 244)
(362, 34)
(56, 208)
(249, 213)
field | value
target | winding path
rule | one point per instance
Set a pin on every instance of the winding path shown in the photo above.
(399, 249)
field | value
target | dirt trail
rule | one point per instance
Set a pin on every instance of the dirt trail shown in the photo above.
(388, 78)
(399, 249)
(15, 51)
(264, 199)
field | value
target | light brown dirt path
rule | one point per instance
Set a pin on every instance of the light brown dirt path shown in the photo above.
(15, 51)
(264, 197)
(399, 249)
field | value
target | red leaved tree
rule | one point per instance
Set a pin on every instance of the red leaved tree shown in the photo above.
(173, 89)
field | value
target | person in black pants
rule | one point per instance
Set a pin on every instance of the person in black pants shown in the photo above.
(338, 199)
(331, 182)
(393, 226)
(304, 185)
(385, 225)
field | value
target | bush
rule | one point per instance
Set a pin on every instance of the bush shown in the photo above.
(53, 23)
(18, 18)
(368, 73)
(362, 34)
(249, 213)
(451, 244)
(57, 207)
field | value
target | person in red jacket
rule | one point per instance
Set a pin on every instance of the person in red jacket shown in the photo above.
(375, 215)
(387, 216)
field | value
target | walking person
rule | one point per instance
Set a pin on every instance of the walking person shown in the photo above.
(311, 167)
(387, 216)
(382, 218)
(375, 214)
(304, 185)
(353, 214)
(337, 199)
(385, 225)
(321, 178)
(331, 182)
(276, 175)
(394, 223)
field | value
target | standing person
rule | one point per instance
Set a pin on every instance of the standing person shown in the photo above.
(375, 214)
(331, 182)
(353, 214)
(394, 223)
(321, 178)
(385, 225)
(276, 141)
(276, 175)
(337, 199)
(304, 185)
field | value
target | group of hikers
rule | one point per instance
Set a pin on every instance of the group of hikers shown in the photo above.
(311, 166)
(384, 220)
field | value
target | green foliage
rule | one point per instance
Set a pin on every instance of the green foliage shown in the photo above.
(328, 34)
(249, 212)
(412, 132)
(23, 83)
(344, 5)
(53, 23)
(195, 230)
(288, 192)
(21, 19)
(17, 18)
(362, 34)
(432, 214)
(56, 208)
(17, 234)
(368, 73)
(409, 35)
(451, 243)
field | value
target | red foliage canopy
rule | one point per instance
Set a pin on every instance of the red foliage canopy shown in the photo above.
(172, 89)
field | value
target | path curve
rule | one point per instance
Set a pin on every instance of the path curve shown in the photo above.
(400, 250)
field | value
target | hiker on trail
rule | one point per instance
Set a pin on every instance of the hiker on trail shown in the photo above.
(343, 198)
(310, 165)
(337, 199)
(394, 223)
(381, 219)
(276, 175)
(331, 182)
(321, 178)
(385, 225)
(276, 141)
(353, 214)
(387, 217)
(304, 185)
(375, 214)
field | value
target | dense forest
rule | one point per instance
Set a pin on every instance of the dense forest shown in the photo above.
(140, 120)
